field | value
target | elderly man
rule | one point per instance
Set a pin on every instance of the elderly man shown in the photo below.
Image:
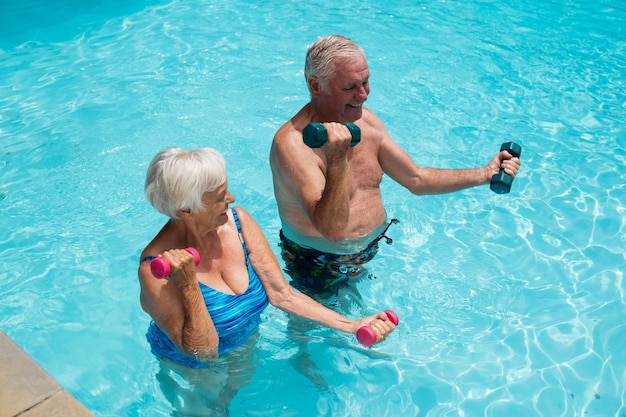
(329, 197)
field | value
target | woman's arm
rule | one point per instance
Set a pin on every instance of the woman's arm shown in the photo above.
(282, 295)
(176, 305)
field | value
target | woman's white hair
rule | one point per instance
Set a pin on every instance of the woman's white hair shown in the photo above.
(321, 55)
(177, 179)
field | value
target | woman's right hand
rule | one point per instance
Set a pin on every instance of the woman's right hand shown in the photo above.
(182, 267)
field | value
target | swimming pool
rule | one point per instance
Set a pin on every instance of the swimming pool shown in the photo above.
(509, 305)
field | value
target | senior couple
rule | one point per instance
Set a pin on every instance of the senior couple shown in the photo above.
(329, 202)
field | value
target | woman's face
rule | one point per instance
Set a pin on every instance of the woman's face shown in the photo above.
(216, 204)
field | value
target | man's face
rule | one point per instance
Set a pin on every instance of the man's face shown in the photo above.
(347, 90)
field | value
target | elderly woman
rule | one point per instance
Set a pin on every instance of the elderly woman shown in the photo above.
(205, 311)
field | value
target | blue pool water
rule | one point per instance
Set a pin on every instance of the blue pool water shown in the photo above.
(510, 305)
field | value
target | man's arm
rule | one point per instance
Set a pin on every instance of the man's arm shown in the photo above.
(316, 180)
(421, 181)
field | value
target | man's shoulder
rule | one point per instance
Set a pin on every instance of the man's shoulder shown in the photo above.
(369, 117)
(296, 124)
(290, 131)
(284, 144)
(286, 130)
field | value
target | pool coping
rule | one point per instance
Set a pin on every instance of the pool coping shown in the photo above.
(28, 390)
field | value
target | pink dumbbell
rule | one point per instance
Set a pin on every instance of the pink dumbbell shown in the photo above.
(160, 267)
(367, 336)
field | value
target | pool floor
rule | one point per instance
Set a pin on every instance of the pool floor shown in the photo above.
(28, 390)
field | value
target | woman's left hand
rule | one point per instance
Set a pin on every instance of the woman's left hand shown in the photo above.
(380, 323)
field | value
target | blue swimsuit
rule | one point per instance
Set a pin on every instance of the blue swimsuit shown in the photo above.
(236, 317)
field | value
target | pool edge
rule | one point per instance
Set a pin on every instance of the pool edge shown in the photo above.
(28, 390)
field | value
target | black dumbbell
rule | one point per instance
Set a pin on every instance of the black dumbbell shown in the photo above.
(315, 135)
(501, 182)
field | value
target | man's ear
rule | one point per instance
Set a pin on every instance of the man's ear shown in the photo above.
(314, 86)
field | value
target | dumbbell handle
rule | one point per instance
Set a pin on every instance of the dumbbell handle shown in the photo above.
(367, 336)
(501, 182)
(160, 267)
(315, 134)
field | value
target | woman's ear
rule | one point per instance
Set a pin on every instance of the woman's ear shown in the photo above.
(182, 213)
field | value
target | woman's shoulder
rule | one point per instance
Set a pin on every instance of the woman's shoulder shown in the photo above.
(240, 212)
(166, 239)
(247, 224)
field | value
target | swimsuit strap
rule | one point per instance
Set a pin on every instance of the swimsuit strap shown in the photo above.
(245, 249)
(147, 258)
